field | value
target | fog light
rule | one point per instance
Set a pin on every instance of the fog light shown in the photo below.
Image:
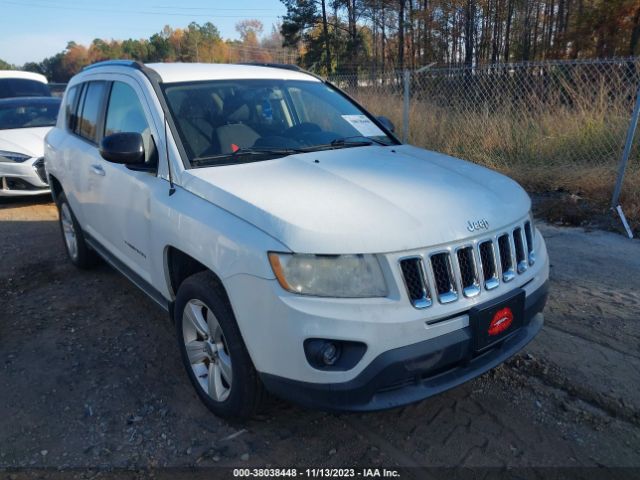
(329, 353)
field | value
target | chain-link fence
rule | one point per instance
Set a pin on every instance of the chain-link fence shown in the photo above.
(558, 125)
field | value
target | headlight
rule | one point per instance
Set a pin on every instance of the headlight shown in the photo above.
(13, 157)
(341, 276)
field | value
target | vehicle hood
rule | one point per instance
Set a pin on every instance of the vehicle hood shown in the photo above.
(29, 141)
(362, 200)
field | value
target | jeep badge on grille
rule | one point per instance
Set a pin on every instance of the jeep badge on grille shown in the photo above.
(481, 224)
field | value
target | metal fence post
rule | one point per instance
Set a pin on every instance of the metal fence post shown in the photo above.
(627, 152)
(407, 99)
(405, 108)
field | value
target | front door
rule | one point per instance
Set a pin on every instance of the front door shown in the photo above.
(124, 195)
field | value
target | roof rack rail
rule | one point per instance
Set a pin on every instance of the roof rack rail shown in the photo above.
(115, 63)
(285, 66)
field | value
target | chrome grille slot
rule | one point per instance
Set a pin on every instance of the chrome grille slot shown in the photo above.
(415, 281)
(506, 258)
(521, 260)
(489, 268)
(468, 272)
(443, 275)
(529, 236)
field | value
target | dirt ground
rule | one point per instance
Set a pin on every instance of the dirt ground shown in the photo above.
(90, 376)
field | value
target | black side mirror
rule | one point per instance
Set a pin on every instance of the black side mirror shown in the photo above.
(125, 147)
(386, 123)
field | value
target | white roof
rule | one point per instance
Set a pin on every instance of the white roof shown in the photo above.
(191, 72)
(20, 74)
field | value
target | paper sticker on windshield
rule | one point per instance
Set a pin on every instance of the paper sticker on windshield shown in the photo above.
(363, 125)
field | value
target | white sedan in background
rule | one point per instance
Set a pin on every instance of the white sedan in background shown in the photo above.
(24, 122)
(16, 83)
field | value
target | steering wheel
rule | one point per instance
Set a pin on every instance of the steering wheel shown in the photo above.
(304, 127)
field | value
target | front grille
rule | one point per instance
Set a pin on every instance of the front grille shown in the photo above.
(466, 270)
(38, 165)
(443, 275)
(416, 282)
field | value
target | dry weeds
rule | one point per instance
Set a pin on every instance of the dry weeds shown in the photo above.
(573, 150)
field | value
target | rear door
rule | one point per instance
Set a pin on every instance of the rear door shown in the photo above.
(80, 153)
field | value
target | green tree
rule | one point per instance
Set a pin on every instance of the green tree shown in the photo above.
(36, 67)
(193, 42)
(135, 49)
(210, 33)
(159, 48)
(99, 50)
(300, 24)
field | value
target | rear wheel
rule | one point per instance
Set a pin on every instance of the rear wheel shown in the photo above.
(212, 349)
(79, 252)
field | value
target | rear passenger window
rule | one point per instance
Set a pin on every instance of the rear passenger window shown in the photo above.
(91, 108)
(70, 108)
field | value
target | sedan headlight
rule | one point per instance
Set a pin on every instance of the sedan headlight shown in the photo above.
(13, 157)
(340, 276)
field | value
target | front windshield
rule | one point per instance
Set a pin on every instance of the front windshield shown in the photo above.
(28, 113)
(235, 121)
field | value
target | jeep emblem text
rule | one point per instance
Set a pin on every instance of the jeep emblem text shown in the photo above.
(481, 224)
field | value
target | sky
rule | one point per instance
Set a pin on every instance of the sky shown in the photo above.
(31, 30)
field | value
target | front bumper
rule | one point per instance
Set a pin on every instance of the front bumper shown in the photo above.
(414, 372)
(20, 179)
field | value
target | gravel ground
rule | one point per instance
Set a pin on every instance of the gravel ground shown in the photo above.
(90, 377)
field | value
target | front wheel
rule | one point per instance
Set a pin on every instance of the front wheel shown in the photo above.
(212, 349)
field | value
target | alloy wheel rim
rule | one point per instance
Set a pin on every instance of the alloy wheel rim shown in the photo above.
(207, 350)
(69, 231)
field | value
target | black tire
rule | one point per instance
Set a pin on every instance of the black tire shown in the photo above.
(246, 390)
(83, 256)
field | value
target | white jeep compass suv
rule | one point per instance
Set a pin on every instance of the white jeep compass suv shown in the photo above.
(297, 245)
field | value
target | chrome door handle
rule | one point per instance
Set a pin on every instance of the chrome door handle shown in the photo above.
(98, 170)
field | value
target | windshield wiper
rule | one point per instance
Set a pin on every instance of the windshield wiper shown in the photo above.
(349, 141)
(345, 142)
(251, 151)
